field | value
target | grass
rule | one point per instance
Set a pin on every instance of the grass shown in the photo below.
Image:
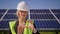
(39, 32)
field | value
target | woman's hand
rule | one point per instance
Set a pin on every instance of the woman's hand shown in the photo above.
(31, 26)
(21, 27)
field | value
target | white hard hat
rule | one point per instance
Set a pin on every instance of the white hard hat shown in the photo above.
(22, 6)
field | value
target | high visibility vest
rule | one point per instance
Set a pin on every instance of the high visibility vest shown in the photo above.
(11, 25)
(26, 30)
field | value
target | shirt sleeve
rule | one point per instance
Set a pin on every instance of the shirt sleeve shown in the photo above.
(37, 30)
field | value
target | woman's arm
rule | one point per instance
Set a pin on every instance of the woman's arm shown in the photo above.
(36, 30)
(32, 26)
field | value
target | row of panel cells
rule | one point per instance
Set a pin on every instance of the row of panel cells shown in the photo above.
(42, 16)
(47, 24)
(38, 24)
(39, 11)
(58, 16)
(31, 11)
(4, 24)
(1, 15)
(55, 10)
(12, 11)
(3, 10)
(32, 16)
(10, 16)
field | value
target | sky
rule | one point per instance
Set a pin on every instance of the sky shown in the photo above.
(33, 4)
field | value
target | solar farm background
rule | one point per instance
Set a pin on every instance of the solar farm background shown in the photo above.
(47, 21)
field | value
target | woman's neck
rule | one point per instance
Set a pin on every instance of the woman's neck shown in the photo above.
(21, 20)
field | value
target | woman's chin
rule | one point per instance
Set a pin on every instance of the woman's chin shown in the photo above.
(22, 17)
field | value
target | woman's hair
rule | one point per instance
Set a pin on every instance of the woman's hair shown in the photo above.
(17, 12)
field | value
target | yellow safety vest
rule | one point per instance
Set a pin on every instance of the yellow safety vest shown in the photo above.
(26, 30)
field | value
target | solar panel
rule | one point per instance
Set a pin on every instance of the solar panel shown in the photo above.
(42, 18)
(55, 10)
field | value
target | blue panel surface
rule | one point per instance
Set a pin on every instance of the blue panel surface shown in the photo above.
(42, 16)
(12, 11)
(47, 24)
(39, 11)
(55, 10)
(10, 16)
(3, 10)
(58, 16)
(1, 15)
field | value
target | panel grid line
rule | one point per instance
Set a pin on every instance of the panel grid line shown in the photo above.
(31, 19)
(54, 16)
(32, 13)
(4, 15)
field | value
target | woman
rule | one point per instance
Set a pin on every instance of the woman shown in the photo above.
(22, 11)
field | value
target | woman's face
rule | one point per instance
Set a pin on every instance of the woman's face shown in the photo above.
(22, 14)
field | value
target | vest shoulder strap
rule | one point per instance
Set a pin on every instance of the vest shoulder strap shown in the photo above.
(11, 25)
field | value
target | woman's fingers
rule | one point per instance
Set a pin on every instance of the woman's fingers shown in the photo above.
(30, 21)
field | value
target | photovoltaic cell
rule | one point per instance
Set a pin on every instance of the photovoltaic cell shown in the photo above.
(42, 16)
(12, 11)
(55, 10)
(3, 10)
(58, 16)
(47, 24)
(39, 11)
(1, 15)
(4, 24)
(36, 24)
(10, 16)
